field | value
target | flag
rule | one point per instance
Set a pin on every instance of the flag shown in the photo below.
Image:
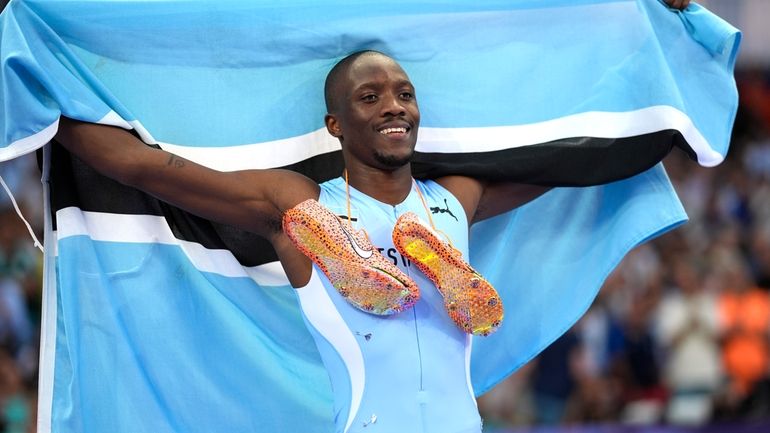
(159, 321)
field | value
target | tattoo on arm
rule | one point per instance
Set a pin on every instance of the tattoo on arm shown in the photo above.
(175, 161)
(274, 224)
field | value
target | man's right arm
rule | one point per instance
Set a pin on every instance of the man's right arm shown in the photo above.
(253, 200)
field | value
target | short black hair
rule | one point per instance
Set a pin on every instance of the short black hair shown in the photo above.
(338, 71)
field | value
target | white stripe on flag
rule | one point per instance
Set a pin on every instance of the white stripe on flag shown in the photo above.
(110, 227)
(269, 154)
(599, 124)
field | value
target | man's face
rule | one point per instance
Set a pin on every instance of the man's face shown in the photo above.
(377, 116)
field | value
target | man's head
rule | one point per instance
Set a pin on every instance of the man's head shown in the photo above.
(372, 110)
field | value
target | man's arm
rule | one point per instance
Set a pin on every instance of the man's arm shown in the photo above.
(678, 4)
(482, 200)
(252, 200)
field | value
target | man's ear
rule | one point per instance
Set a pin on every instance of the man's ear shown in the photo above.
(333, 125)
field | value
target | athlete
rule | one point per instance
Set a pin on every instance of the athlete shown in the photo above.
(373, 111)
(407, 371)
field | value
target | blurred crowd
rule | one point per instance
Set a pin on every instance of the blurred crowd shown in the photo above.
(20, 296)
(680, 332)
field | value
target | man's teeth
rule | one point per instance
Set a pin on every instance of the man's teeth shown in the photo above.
(392, 130)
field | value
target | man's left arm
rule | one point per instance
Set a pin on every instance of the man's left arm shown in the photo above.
(678, 4)
(481, 199)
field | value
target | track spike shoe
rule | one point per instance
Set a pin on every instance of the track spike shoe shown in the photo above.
(359, 272)
(470, 300)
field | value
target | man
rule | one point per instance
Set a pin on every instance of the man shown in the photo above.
(374, 113)
(404, 372)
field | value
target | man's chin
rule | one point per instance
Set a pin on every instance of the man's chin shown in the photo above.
(393, 161)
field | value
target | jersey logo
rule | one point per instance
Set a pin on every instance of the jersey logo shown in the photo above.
(440, 210)
(364, 254)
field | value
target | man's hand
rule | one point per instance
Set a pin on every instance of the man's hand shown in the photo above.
(678, 4)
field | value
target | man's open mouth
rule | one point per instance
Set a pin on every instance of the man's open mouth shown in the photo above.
(398, 130)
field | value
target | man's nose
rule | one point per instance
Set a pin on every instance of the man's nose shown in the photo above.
(392, 105)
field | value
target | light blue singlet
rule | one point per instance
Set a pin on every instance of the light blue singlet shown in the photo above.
(405, 373)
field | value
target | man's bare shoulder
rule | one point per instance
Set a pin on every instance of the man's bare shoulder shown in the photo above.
(467, 191)
(485, 199)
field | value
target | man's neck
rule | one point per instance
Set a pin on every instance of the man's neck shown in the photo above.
(390, 187)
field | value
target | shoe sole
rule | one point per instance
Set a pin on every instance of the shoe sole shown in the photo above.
(359, 272)
(470, 300)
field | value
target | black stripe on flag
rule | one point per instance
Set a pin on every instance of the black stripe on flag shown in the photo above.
(568, 162)
(580, 161)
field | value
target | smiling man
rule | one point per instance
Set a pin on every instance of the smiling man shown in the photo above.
(407, 371)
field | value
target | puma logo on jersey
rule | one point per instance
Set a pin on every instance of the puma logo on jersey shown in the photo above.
(437, 209)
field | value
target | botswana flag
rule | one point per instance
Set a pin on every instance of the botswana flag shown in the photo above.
(158, 321)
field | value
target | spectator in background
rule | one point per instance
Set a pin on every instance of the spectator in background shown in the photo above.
(510, 402)
(601, 339)
(744, 311)
(597, 394)
(687, 329)
(20, 296)
(14, 409)
(554, 378)
(638, 367)
(760, 254)
(16, 262)
(20, 280)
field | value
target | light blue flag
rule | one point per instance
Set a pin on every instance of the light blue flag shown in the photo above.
(157, 321)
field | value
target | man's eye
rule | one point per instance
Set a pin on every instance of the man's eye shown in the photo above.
(407, 96)
(369, 98)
